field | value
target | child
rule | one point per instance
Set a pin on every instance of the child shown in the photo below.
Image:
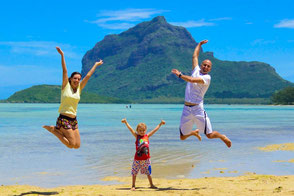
(142, 156)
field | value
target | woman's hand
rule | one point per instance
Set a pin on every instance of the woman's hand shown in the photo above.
(99, 63)
(59, 51)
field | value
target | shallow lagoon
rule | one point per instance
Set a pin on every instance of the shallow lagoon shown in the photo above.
(31, 155)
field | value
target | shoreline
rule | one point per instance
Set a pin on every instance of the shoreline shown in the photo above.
(251, 184)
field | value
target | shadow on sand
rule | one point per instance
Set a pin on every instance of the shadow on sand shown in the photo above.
(163, 189)
(38, 193)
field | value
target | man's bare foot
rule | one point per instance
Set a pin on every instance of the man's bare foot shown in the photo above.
(227, 141)
(153, 187)
(133, 188)
(196, 133)
(49, 128)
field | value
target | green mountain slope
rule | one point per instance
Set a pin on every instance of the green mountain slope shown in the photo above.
(51, 94)
(138, 62)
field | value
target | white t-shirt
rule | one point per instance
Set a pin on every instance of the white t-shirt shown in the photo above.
(194, 91)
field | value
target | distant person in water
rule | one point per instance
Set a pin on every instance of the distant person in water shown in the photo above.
(193, 111)
(66, 129)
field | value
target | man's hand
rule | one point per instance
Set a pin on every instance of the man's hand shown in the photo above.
(203, 42)
(176, 72)
(99, 63)
(124, 120)
(59, 51)
(162, 122)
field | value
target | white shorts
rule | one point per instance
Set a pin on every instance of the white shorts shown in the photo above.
(195, 115)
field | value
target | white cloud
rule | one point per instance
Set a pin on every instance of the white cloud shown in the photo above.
(28, 75)
(41, 48)
(262, 42)
(123, 19)
(285, 24)
(221, 19)
(192, 23)
(116, 25)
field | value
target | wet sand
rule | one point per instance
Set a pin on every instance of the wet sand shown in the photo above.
(277, 147)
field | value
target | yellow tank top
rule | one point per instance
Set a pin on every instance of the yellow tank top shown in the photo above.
(69, 100)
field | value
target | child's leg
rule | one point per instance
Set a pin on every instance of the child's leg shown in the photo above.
(135, 170)
(147, 170)
(133, 183)
(150, 182)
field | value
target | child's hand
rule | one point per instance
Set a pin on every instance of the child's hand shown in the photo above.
(124, 120)
(162, 122)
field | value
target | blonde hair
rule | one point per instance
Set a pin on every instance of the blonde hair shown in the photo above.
(141, 126)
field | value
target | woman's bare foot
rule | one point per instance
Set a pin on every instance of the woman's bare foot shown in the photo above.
(153, 187)
(133, 188)
(196, 133)
(227, 141)
(49, 128)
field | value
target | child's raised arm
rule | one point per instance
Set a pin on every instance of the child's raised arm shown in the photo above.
(129, 127)
(156, 128)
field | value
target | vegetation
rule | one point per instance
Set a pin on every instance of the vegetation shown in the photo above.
(51, 94)
(284, 96)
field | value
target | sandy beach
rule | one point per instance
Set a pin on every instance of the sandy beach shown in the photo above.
(250, 184)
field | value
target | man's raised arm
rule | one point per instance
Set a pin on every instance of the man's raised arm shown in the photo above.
(196, 53)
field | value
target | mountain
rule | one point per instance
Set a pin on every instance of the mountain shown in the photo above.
(137, 68)
(51, 94)
(138, 62)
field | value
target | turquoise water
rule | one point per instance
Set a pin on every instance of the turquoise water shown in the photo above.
(31, 155)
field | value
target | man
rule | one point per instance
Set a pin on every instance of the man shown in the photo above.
(193, 112)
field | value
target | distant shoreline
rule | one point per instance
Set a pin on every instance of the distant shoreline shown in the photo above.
(227, 101)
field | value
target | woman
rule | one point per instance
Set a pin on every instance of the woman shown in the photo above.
(66, 129)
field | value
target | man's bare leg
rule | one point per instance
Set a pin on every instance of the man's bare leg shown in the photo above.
(224, 138)
(195, 133)
(58, 135)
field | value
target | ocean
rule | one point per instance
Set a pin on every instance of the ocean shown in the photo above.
(31, 155)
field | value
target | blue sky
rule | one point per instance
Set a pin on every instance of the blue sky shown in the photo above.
(260, 30)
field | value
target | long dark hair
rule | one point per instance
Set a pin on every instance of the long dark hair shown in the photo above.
(72, 75)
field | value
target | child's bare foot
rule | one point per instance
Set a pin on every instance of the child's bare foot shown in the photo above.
(133, 188)
(153, 187)
(49, 128)
(196, 133)
(227, 141)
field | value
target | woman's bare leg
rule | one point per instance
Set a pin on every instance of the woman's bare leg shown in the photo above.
(69, 137)
(73, 136)
(58, 134)
(77, 138)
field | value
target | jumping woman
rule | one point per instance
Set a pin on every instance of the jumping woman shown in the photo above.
(66, 129)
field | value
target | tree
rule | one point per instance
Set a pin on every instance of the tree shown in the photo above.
(284, 96)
